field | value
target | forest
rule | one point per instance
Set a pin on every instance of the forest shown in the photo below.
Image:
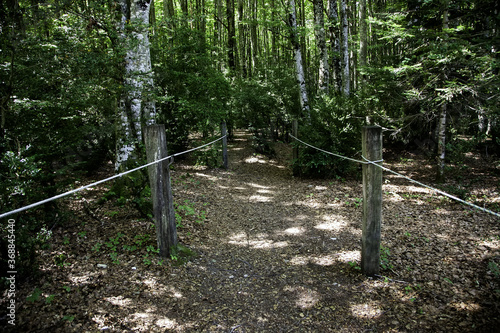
(81, 79)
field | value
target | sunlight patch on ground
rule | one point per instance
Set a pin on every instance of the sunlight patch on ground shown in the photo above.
(260, 198)
(255, 159)
(327, 260)
(366, 310)
(299, 260)
(119, 300)
(258, 186)
(306, 298)
(79, 280)
(242, 240)
(166, 323)
(213, 178)
(346, 256)
(469, 306)
(294, 231)
(331, 223)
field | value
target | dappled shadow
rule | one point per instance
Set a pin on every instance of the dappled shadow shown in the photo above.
(280, 254)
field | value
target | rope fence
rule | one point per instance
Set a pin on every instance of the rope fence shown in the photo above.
(403, 176)
(62, 195)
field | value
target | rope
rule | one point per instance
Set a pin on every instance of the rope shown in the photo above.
(330, 153)
(436, 190)
(366, 161)
(103, 180)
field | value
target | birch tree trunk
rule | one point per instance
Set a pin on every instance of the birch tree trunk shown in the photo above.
(441, 144)
(135, 109)
(442, 115)
(301, 80)
(324, 70)
(346, 80)
(335, 43)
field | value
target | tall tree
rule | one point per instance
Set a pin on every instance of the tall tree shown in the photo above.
(441, 127)
(136, 108)
(319, 25)
(334, 37)
(299, 66)
(346, 80)
(232, 47)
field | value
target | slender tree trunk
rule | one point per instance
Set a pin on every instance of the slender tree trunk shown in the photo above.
(254, 35)
(242, 38)
(335, 43)
(441, 144)
(363, 34)
(136, 109)
(442, 116)
(346, 80)
(169, 12)
(301, 80)
(324, 70)
(232, 49)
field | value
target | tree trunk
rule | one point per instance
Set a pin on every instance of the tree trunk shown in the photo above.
(346, 80)
(232, 49)
(136, 108)
(363, 34)
(301, 80)
(254, 36)
(335, 43)
(441, 144)
(324, 70)
(242, 39)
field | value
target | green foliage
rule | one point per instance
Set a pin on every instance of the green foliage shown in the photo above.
(187, 211)
(335, 127)
(192, 95)
(180, 254)
(35, 295)
(385, 262)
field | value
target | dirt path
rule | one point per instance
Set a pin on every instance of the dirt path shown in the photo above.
(273, 254)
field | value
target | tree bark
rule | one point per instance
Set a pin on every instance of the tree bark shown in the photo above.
(363, 34)
(135, 109)
(335, 43)
(301, 80)
(441, 144)
(242, 39)
(232, 49)
(346, 80)
(319, 24)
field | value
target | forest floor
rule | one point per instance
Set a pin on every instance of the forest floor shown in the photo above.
(274, 253)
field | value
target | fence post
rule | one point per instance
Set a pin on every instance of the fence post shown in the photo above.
(372, 200)
(161, 190)
(224, 145)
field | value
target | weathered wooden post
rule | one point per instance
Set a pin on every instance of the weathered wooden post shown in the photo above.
(372, 200)
(295, 152)
(224, 145)
(161, 190)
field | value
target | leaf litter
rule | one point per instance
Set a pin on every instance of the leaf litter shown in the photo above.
(271, 253)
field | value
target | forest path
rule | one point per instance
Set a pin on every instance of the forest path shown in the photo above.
(265, 260)
(274, 253)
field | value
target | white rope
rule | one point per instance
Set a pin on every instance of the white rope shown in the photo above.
(102, 181)
(435, 189)
(366, 161)
(328, 152)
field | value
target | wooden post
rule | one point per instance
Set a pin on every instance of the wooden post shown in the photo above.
(295, 152)
(161, 190)
(224, 145)
(372, 201)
